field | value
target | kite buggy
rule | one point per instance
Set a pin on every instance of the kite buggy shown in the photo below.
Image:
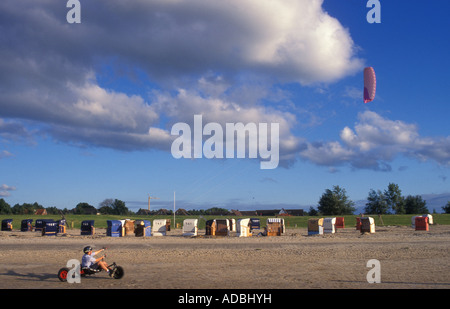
(97, 265)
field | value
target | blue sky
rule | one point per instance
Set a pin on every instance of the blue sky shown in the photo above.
(86, 109)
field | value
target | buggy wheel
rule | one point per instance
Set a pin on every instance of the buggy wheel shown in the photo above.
(119, 272)
(62, 274)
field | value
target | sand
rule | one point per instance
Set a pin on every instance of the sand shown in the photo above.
(409, 259)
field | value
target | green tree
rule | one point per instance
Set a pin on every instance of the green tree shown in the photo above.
(84, 208)
(335, 202)
(394, 199)
(17, 209)
(5, 208)
(119, 208)
(113, 207)
(26, 208)
(216, 211)
(105, 207)
(312, 211)
(52, 210)
(446, 208)
(415, 205)
(376, 203)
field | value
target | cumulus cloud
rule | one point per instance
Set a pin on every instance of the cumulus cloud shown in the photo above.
(98, 107)
(181, 106)
(373, 131)
(375, 141)
(5, 190)
(213, 58)
(13, 130)
(290, 39)
(5, 154)
(48, 73)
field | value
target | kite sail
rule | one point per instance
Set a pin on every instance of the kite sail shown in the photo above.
(370, 84)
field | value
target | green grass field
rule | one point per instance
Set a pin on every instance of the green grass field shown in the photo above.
(74, 221)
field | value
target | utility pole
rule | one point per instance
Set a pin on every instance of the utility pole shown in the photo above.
(149, 198)
(174, 224)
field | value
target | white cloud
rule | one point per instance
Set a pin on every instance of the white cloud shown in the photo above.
(14, 130)
(216, 56)
(375, 141)
(181, 107)
(5, 190)
(111, 109)
(291, 40)
(373, 131)
(5, 154)
(329, 153)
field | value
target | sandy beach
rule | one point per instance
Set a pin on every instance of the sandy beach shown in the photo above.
(409, 259)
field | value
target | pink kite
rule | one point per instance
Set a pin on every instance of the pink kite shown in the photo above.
(370, 84)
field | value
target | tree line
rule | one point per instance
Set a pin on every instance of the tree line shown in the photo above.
(392, 201)
(332, 202)
(107, 207)
(389, 201)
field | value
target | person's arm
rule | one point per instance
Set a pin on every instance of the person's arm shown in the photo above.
(97, 252)
(100, 258)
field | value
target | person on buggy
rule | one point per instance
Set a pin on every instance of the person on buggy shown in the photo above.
(90, 261)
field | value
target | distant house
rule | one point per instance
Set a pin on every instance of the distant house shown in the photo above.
(250, 213)
(144, 212)
(291, 212)
(40, 212)
(268, 212)
(236, 212)
(90, 211)
(181, 212)
(162, 212)
(243, 213)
